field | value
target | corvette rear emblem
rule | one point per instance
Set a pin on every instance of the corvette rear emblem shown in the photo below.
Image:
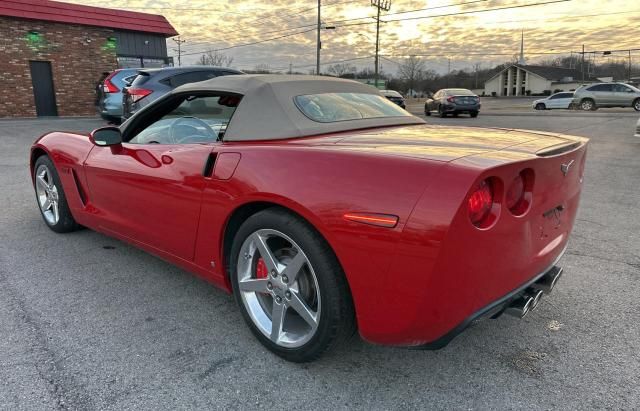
(565, 167)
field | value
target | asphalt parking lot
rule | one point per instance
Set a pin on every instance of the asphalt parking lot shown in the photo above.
(88, 322)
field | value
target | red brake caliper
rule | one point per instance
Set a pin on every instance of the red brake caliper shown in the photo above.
(261, 269)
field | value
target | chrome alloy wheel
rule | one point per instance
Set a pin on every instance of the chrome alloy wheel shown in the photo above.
(636, 105)
(47, 194)
(279, 288)
(587, 105)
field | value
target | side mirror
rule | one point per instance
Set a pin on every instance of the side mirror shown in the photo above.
(106, 136)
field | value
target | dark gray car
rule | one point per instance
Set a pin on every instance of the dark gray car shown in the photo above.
(152, 84)
(453, 101)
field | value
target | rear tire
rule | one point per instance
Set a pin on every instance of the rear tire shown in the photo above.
(312, 301)
(636, 104)
(50, 197)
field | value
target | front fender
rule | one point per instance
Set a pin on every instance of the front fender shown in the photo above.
(68, 152)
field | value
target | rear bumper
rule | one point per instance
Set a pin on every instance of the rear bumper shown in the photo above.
(492, 310)
(454, 108)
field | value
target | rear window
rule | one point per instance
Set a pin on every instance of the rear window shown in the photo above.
(129, 79)
(459, 92)
(601, 87)
(140, 79)
(333, 107)
(192, 77)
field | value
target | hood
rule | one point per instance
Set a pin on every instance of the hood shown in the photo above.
(443, 143)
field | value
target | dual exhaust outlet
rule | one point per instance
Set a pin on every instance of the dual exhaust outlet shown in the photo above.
(529, 299)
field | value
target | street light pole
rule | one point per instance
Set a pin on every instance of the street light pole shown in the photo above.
(380, 5)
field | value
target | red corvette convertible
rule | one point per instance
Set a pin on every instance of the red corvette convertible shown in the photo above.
(324, 208)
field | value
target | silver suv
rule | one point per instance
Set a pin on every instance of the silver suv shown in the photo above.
(606, 95)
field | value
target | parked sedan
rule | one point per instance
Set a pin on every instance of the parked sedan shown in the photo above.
(248, 181)
(453, 101)
(151, 84)
(394, 96)
(607, 95)
(558, 100)
(110, 96)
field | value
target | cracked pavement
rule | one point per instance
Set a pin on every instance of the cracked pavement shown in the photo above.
(88, 322)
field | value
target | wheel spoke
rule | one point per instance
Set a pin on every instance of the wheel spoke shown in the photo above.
(266, 254)
(258, 286)
(42, 182)
(294, 267)
(56, 214)
(301, 308)
(277, 320)
(46, 205)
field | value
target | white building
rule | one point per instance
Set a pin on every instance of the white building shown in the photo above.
(522, 80)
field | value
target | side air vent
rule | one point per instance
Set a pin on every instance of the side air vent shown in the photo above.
(559, 149)
(81, 192)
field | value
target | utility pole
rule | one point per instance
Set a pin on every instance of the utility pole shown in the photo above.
(629, 76)
(290, 68)
(583, 63)
(386, 6)
(179, 43)
(476, 67)
(448, 70)
(318, 43)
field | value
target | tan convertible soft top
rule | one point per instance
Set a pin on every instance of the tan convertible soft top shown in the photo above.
(268, 111)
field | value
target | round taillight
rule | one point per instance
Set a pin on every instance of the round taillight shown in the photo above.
(520, 193)
(480, 203)
(515, 193)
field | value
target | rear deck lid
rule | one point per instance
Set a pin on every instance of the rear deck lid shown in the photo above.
(443, 143)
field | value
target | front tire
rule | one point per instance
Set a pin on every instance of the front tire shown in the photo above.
(588, 105)
(289, 286)
(473, 114)
(427, 112)
(541, 106)
(50, 197)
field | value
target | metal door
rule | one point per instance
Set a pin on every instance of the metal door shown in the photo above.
(43, 93)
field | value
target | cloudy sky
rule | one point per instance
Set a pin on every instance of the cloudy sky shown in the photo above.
(467, 32)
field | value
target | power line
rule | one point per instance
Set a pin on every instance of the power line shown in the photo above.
(337, 3)
(251, 43)
(459, 13)
(518, 6)
(366, 17)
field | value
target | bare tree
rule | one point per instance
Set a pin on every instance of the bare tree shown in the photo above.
(412, 71)
(340, 69)
(214, 58)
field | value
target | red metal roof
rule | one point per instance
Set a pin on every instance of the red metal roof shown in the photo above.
(59, 12)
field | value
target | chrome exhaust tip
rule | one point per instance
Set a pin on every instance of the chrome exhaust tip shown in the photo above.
(548, 282)
(536, 295)
(520, 307)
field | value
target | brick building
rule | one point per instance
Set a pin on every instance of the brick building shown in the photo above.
(53, 53)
